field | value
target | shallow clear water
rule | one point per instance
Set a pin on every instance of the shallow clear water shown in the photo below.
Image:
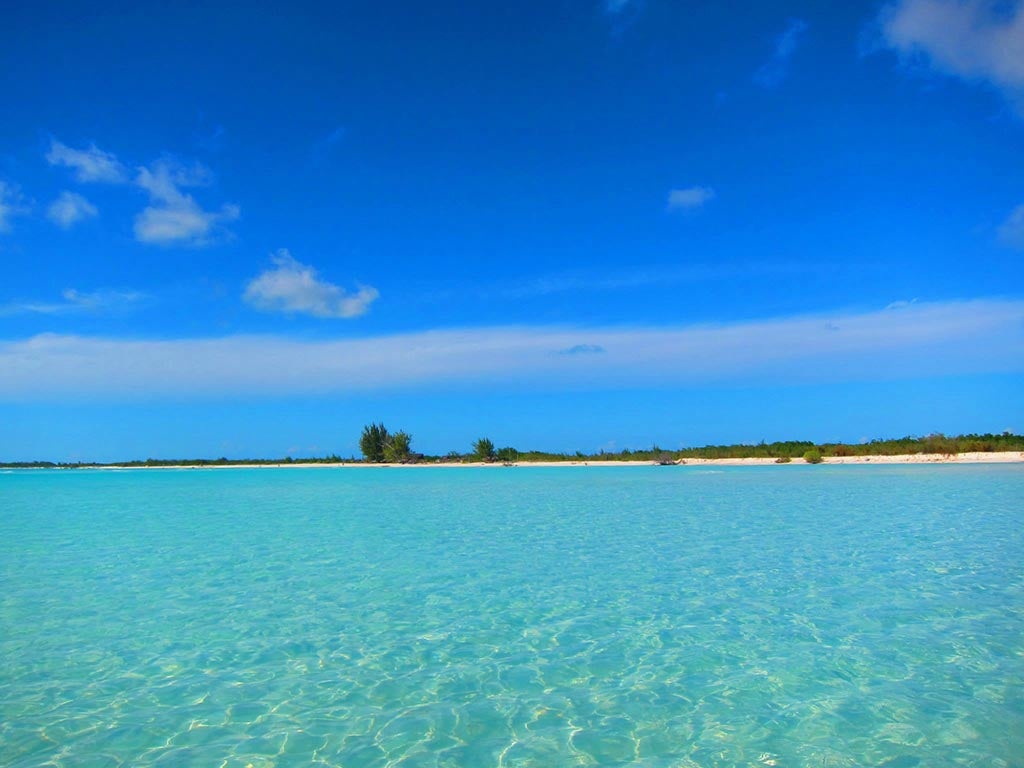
(790, 616)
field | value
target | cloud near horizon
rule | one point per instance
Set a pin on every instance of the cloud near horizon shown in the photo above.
(174, 217)
(583, 349)
(295, 288)
(974, 40)
(923, 339)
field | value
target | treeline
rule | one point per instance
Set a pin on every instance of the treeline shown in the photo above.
(794, 449)
(931, 444)
(378, 445)
(221, 462)
(375, 438)
(224, 462)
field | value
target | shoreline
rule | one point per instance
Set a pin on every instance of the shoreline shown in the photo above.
(995, 457)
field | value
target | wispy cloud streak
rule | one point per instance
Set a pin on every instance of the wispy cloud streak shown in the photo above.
(774, 71)
(589, 281)
(74, 302)
(918, 340)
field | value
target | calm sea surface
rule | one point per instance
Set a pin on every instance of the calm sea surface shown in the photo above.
(681, 616)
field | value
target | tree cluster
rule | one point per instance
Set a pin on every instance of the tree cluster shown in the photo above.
(484, 450)
(379, 446)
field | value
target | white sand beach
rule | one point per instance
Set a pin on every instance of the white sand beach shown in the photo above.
(1000, 457)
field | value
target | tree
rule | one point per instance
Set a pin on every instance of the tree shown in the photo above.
(373, 442)
(397, 448)
(483, 450)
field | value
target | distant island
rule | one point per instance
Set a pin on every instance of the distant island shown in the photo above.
(381, 447)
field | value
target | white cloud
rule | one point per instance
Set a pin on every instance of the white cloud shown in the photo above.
(920, 340)
(89, 164)
(12, 203)
(74, 302)
(689, 198)
(773, 72)
(69, 209)
(296, 288)
(174, 217)
(1011, 231)
(976, 40)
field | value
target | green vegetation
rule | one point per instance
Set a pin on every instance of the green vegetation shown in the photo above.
(507, 455)
(397, 449)
(221, 462)
(813, 456)
(378, 445)
(373, 441)
(483, 450)
(785, 451)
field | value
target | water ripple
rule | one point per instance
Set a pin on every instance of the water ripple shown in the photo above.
(844, 616)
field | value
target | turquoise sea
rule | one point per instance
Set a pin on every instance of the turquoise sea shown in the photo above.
(662, 616)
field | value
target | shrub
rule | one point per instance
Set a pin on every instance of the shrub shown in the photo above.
(783, 460)
(813, 456)
(507, 455)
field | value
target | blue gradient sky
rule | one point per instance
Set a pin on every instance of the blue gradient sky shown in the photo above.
(245, 231)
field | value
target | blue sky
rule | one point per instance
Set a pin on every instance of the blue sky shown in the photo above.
(242, 231)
